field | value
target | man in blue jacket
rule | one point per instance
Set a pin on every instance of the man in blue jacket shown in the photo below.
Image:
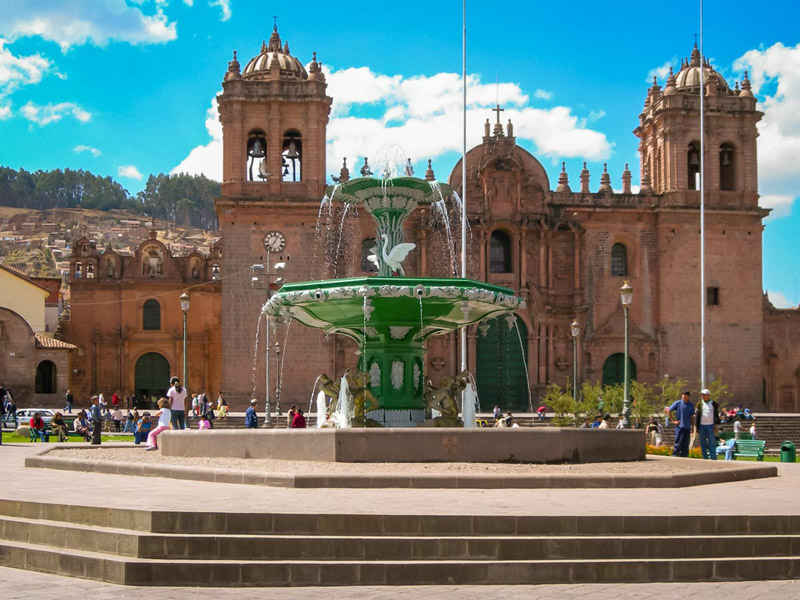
(681, 413)
(250, 416)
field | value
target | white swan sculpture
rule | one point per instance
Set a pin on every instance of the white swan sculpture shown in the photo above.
(395, 257)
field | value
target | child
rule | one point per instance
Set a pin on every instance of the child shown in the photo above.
(203, 424)
(164, 416)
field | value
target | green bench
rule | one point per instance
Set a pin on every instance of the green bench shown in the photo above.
(754, 448)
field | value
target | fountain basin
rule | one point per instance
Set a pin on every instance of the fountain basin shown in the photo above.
(390, 318)
(419, 445)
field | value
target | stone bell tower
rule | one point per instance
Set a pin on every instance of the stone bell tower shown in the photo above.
(274, 114)
(669, 131)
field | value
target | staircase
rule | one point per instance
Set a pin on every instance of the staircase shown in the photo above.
(139, 547)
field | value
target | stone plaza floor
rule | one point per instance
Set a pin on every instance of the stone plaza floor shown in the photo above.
(773, 496)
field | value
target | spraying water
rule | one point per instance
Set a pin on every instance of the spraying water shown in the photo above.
(343, 416)
(524, 365)
(322, 414)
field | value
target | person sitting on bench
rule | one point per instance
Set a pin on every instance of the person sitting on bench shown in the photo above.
(39, 428)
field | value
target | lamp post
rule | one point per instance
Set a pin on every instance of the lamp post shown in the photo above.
(626, 296)
(261, 278)
(575, 331)
(185, 310)
(278, 377)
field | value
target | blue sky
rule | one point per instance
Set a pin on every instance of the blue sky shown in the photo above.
(125, 87)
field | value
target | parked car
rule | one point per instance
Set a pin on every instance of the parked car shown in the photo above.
(24, 415)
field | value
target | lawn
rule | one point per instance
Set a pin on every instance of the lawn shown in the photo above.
(9, 437)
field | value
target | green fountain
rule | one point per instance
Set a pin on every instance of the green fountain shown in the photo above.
(390, 315)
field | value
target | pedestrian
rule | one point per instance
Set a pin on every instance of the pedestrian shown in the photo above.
(69, 399)
(681, 413)
(250, 415)
(116, 416)
(223, 407)
(290, 415)
(299, 421)
(59, 427)
(101, 401)
(598, 420)
(604, 424)
(115, 400)
(586, 423)
(164, 422)
(142, 428)
(97, 421)
(737, 427)
(38, 426)
(706, 418)
(177, 399)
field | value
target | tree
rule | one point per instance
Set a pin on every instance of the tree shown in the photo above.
(562, 405)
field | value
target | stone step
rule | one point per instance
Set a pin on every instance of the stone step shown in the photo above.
(219, 523)
(204, 573)
(127, 543)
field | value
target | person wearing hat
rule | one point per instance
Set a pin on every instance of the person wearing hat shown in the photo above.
(681, 413)
(706, 418)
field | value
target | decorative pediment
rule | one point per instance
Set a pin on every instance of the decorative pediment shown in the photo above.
(614, 327)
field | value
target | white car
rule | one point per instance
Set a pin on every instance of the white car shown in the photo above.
(24, 415)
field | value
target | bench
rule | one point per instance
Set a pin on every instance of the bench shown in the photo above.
(754, 448)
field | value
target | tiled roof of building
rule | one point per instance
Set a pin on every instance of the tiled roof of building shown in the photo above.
(43, 341)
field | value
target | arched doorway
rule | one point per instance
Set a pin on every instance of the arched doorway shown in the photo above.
(501, 365)
(614, 369)
(152, 375)
(46, 381)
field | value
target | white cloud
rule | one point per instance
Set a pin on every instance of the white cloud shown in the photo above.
(422, 116)
(16, 71)
(129, 171)
(779, 299)
(775, 74)
(83, 148)
(543, 95)
(50, 113)
(206, 159)
(5, 112)
(79, 22)
(225, 7)
(660, 72)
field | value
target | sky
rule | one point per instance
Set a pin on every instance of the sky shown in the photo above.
(126, 88)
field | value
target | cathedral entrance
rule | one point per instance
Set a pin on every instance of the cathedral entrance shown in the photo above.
(501, 366)
(614, 369)
(151, 375)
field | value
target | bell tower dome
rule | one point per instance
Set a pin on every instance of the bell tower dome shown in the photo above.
(274, 114)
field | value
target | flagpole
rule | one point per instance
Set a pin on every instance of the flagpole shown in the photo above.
(703, 292)
(464, 172)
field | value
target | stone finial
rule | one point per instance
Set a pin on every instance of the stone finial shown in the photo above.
(563, 180)
(695, 61)
(274, 40)
(429, 176)
(645, 188)
(584, 180)
(263, 46)
(487, 127)
(510, 129)
(670, 88)
(233, 69)
(314, 69)
(605, 181)
(747, 90)
(365, 170)
(286, 47)
(344, 173)
(626, 180)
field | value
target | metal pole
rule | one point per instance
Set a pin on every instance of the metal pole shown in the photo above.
(626, 401)
(464, 170)
(575, 369)
(702, 211)
(185, 383)
(268, 417)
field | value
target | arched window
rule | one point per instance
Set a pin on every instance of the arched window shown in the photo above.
(46, 377)
(151, 315)
(619, 260)
(693, 166)
(727, 167)
(367, 247)
(292, 154)
(90, 271)
(215, 271)
(256, 155)
(500, 253)
(78, 273)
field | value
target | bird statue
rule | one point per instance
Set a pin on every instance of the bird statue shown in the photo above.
(395, 257)
(373, 257)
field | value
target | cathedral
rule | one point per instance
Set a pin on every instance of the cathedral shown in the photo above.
(566, 247)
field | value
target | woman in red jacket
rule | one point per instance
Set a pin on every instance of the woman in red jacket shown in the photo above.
(38, 425)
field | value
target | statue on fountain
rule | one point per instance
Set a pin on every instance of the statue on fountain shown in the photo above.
(442, 398)
(362, 398)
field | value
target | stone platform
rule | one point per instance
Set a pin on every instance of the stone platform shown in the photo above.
(527, 445)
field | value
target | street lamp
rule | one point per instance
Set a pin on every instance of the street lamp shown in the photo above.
(626, 296)
(261, 278)
(278, 375)
(575, 331)
(185, 309)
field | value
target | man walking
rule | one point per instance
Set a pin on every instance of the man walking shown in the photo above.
(97, 422)
(69, 398)
(681, 413)
(250, 416)
(707, 416)
(177, 400)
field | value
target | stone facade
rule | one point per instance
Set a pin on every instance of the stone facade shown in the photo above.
(566, 252)
(125, 307)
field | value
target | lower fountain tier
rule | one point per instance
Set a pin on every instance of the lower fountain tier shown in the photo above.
(390, 318)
